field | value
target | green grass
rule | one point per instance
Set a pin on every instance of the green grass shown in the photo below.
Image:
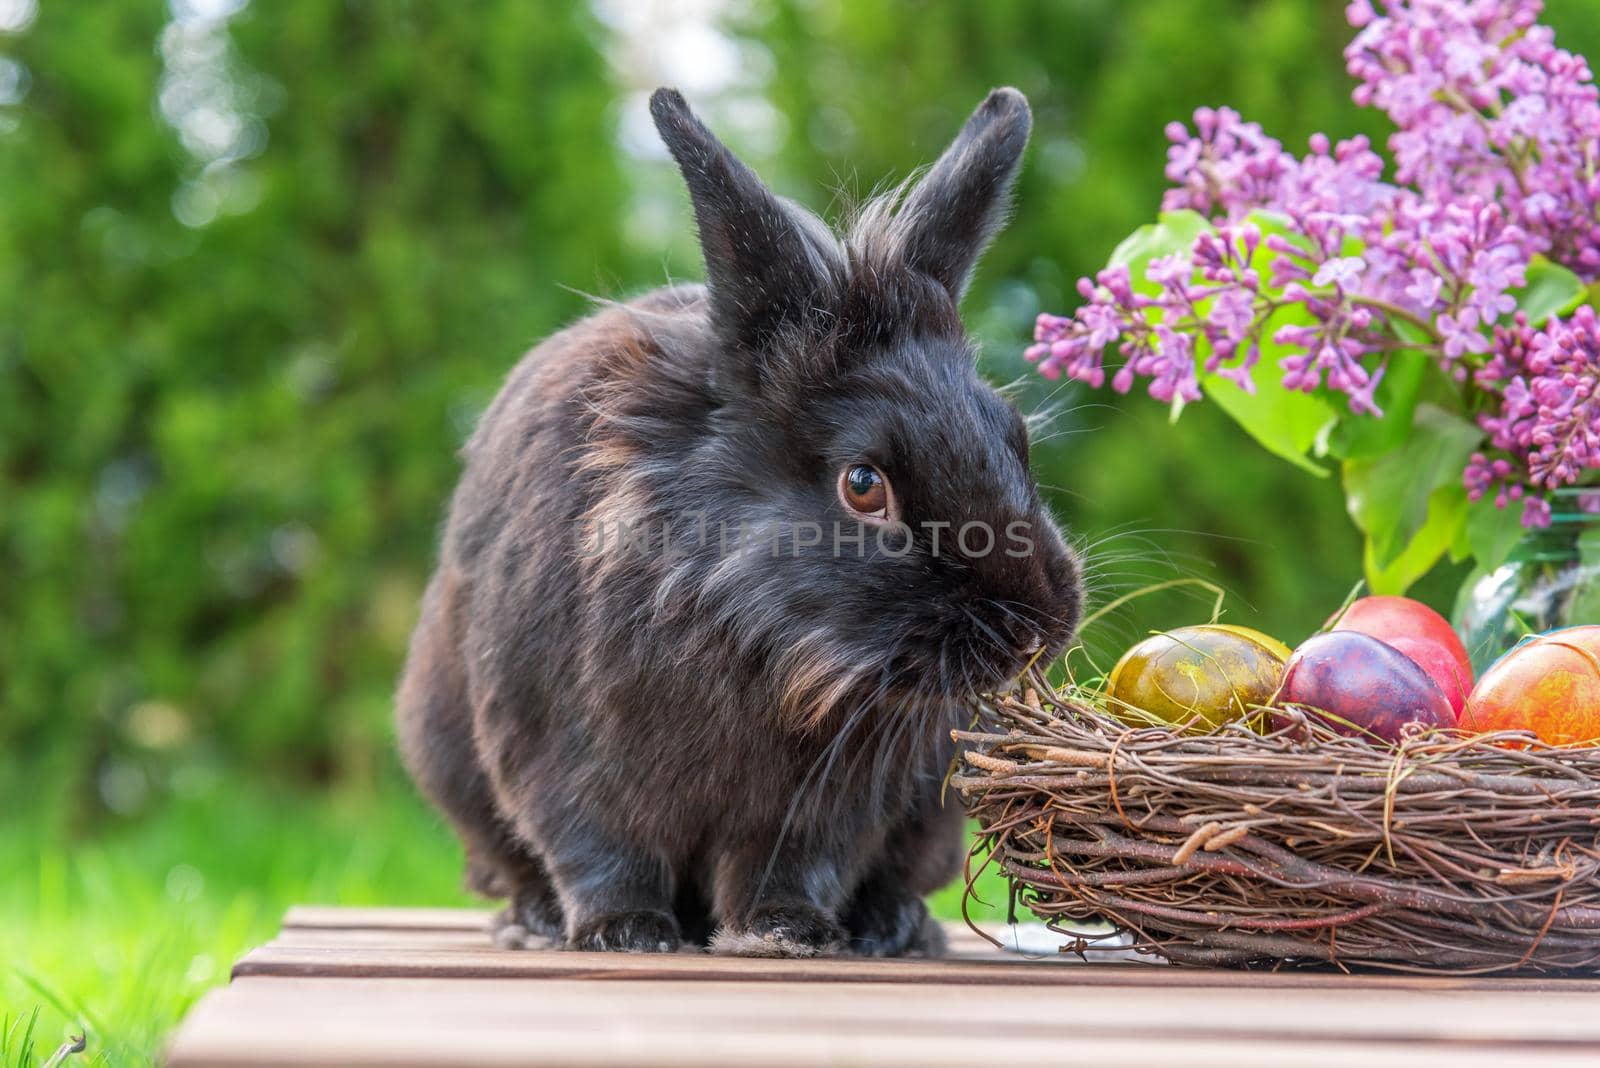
(17, 1039)
(117, 936)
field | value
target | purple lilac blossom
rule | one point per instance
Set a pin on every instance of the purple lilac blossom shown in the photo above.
(1546, 433)
(1487, 106)
(1496, 161)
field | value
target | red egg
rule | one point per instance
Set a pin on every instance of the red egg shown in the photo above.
(1390, 619)
(1440, 664)
(1363, 686)
(1549, 685)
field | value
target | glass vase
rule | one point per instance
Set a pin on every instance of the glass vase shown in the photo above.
(1551, 579)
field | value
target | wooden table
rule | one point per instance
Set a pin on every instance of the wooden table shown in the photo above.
(425, 987)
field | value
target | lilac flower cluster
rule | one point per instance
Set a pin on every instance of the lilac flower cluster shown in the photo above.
(1547, 429)
(1336, 269)
(1447, 269)
(1488, 106)
(1227, 167)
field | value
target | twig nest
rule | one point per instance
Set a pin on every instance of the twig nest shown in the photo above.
(1445, 852)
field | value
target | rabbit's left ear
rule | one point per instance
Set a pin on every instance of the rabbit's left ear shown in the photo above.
(948, 218)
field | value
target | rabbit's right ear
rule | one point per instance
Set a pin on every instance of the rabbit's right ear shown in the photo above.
(948, 219)
(766, 262)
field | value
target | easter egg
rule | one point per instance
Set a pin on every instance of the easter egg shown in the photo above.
(1272, 644)
(1363, 686)
(1404, 624)
(1549, 685)
(1440, 664)
(1203, 676)
(1586, 636)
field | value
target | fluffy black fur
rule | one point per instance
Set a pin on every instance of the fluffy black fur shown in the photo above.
(642, 748)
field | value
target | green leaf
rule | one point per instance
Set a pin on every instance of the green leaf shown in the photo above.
(1492, 532)
(1446, 511)
(1412, 376)
(1461, 544)
(1274, 222)
(1388, 495)
(1174, 231)
(1551, 290)
(1284, 421)
(1362, 436)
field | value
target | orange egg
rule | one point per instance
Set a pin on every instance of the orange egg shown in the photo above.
(1549, 685)
(1586, 636)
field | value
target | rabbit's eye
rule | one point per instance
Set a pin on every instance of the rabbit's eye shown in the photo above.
(865, 491)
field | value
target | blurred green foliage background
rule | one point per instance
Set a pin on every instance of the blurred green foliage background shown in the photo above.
(261, 265)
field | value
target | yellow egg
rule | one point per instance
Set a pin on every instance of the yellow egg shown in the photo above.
(1273, 644)
(1203, 676)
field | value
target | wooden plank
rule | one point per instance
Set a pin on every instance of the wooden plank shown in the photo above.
(446, 962)
(430, 955)
(366, 938)
(408, 929)
(306, 918)
(1447, 1016)
(963, 943)
(392, 919)
(426, 987)
(303, 1021)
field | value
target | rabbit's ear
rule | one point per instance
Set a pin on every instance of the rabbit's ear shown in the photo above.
(947, 220)
(766, 260)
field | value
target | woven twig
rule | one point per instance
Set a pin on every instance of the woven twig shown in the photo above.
(1446, 853)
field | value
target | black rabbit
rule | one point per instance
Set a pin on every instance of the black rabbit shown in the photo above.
(720, 567)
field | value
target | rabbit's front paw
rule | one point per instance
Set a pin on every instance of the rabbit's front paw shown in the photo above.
(531, 921)
(641, 931)
(893, 925)
(782, 931)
